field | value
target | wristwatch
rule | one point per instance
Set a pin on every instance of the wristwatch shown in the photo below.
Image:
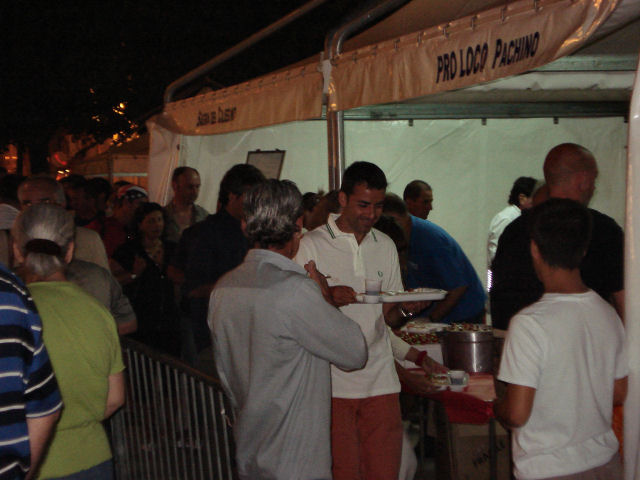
(406, 314)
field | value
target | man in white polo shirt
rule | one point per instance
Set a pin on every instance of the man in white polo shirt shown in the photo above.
(366, 430)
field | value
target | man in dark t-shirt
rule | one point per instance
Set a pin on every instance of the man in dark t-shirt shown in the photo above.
(219, 245)
(570, 172)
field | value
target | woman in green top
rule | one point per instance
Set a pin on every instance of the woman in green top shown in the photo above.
(82, 340)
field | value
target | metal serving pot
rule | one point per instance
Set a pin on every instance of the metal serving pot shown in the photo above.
(471, 351)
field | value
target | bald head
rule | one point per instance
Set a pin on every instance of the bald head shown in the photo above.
(570, 171)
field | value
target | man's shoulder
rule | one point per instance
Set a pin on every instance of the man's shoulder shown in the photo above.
(433, 234)
(518, 225)
(87, 234)
(216, 224)
(318, 234)
(603, 221)
(13, 293)
(381, 239)
(201, 212)
(430, 228)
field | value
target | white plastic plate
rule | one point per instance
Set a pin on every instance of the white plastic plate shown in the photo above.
(417, 295)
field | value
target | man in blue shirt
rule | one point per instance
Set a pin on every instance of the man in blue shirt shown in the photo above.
(437, 261)
(30, 402)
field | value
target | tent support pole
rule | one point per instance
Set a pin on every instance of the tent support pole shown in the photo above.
(335, 40)
(335, 132)
(335, 120)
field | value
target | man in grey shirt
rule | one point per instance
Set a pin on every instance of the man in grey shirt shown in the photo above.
(100, 283)
(274, 336)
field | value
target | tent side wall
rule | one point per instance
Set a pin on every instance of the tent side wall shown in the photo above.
(470, 165)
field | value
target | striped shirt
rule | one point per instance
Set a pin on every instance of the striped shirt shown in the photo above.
(28, 388)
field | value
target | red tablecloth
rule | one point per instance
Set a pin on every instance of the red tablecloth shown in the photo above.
(473, 405)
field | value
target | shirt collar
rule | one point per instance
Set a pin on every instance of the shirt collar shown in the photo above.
(262, 255)
(335, 232)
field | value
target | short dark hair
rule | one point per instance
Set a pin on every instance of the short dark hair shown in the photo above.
(394, 204)
(145, 209)
(414, 188)
(363, 173)
(74, 180)
(523, 185)
(237, 180)
(271, 210)
(310, 200)
(561, 229)
(97, 185)
(180, 170)
(389, 226)
(332, 202)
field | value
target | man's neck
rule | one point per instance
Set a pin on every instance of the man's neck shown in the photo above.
(344, 227)
(569, 194)
(559, 280)
(181, 206)
(286, 251)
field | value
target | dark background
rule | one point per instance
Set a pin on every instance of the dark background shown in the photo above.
(67, 64)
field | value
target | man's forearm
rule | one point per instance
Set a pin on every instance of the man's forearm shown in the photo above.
(392, 315)
(40, 431)
(444, 306)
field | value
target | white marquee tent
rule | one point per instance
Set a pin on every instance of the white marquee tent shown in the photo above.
(467, 97)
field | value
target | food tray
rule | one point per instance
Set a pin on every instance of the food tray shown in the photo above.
(417, 295)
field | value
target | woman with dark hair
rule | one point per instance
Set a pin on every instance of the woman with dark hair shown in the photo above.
(140, 265)
(520, 198)
(81, 337)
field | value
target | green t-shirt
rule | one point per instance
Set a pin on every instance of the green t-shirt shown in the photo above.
(82, 340)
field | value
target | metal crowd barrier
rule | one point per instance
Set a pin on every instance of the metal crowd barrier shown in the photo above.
(175, 423)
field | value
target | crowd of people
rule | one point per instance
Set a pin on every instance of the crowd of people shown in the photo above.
(265, 292)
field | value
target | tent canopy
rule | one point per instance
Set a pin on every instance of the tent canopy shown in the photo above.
(126, 161)
(424, 49)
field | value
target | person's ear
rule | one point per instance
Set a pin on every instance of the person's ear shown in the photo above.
(69, 255)
(17, 254)
(521, 198)
(535, 251)
(343, 199)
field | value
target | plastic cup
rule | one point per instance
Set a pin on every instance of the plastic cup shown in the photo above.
(372, 286)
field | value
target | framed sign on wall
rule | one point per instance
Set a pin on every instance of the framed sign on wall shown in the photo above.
(269, 162)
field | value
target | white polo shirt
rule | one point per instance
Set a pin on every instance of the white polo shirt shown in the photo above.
(338, 255)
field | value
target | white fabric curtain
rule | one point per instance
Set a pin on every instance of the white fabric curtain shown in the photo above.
(632, 300)
(164, 155)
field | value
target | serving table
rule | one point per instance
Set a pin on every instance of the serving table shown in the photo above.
(474, 405)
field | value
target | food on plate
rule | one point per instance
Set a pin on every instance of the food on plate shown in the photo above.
(440, 379)
(418, 338)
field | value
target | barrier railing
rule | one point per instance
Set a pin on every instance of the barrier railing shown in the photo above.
(175, 423)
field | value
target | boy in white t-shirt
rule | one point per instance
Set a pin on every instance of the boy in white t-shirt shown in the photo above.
(564, 360)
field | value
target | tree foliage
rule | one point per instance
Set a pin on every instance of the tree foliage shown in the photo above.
(69, 65)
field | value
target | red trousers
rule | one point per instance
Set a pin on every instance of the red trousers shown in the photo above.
(366, 438)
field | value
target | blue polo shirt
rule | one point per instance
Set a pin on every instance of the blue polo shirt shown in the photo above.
(437, 261)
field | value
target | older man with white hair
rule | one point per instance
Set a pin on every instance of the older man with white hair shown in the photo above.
(274, 336)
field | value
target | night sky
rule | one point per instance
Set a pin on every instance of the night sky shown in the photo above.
(66, 65)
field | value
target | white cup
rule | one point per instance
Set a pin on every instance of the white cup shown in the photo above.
(372, 287)
(458, 377)
(371, 298)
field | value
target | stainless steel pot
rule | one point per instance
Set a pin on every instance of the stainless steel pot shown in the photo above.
(471, 351)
